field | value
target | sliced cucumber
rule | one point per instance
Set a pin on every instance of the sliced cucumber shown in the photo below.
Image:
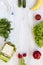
(4, 58)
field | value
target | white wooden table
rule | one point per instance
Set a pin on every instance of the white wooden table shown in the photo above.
(21, 36)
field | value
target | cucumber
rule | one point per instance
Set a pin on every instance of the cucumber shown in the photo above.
(24, 3)
(19, 3)
(4, 58)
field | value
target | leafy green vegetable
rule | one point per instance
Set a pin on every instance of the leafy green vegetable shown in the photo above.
(5, 28)
(22, 62)
(38, 33)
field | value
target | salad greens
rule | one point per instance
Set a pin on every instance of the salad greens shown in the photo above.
(38, 33)
(5, 28)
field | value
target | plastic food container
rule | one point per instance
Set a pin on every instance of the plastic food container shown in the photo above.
(7, 51)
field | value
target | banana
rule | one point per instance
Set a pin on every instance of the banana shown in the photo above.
(37, 5)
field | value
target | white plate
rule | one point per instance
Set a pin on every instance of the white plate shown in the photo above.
(21, 36)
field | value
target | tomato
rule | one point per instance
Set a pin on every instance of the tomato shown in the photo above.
(19, 56)
(24, 54)
(36, 55)
(37, 16)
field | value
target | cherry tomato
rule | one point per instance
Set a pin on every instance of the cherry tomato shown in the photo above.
(36, 55)
(37, 16)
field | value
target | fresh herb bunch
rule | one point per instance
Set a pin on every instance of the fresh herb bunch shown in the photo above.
(5, 28)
